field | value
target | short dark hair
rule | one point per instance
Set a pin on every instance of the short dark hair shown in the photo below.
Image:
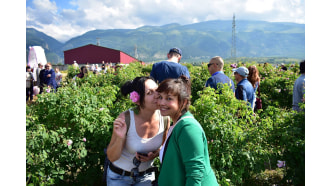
(302, 67)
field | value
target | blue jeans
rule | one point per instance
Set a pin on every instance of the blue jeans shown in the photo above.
(120, 180)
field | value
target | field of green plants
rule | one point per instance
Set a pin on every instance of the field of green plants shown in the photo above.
(67, 131)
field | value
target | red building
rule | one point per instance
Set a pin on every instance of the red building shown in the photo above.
(94, 54)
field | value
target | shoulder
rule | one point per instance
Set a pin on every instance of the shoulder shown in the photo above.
(189, 121)
(159, 63)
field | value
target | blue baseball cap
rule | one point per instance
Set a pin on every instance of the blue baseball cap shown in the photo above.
(243, 71)
(176, 50)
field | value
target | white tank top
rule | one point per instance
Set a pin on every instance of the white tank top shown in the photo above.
(134, 143)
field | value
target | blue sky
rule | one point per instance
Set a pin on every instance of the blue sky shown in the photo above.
(64, 19)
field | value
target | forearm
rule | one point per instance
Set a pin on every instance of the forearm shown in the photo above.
(115, 148)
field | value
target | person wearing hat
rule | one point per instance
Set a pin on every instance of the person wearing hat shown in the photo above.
(215, 68)
(169, 68)
(244, 89)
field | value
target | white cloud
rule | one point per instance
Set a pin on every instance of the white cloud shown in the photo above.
(259, 6)
(63, 24)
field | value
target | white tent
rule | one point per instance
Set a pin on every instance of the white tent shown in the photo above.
(36, 56)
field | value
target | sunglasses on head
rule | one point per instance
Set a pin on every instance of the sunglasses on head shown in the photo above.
(135, 171)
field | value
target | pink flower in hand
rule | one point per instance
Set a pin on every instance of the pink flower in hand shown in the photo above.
(69, 142)
(134, 96)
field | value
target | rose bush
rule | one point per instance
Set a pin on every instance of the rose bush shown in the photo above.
(67, 131)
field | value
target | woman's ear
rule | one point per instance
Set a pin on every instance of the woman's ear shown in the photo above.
(185, 102)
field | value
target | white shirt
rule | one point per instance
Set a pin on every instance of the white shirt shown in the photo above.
(134, 143)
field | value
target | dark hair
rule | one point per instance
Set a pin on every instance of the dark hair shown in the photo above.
(180, 87)
(27, 67)
(83, 69)
(302, 67)
(138, 85)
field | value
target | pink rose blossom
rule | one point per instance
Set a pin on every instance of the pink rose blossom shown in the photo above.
(101, 109)
(134, 96)
(280, 164)
(69, 142)
(279, 90)
(48, 90)
(84, 139)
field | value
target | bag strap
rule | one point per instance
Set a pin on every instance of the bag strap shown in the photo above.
(127, 120)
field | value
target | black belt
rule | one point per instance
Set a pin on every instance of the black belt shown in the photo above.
(127, 173)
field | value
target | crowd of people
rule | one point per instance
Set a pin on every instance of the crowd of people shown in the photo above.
(46, 79)
(161, 125)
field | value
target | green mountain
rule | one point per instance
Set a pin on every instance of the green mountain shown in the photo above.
(199, 41)
(52, 47)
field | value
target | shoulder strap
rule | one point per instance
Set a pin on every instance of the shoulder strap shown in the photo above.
(127, 120)
(259, 90)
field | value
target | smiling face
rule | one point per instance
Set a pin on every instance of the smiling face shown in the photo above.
(168, 105)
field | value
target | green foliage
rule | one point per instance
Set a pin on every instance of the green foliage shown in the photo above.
(244, 147)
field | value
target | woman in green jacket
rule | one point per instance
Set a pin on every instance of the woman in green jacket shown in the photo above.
(184, 156)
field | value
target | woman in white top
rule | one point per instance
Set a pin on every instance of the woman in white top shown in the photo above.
(132, 151)
(58, 76)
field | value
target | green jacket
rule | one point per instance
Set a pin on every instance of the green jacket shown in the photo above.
(186, 159)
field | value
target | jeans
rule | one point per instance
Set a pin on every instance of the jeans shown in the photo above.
(29, 93)
(120, 180)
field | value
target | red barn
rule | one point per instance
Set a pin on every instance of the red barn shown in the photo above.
(94, 54)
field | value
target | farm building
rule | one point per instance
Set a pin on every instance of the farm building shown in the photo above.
(94, 54)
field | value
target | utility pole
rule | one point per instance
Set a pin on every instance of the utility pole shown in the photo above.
(98, 41)
(233, 40)
(136, 53)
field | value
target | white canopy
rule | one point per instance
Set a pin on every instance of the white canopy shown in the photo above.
(36, 56)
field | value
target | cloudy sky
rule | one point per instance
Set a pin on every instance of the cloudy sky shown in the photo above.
(64, 19)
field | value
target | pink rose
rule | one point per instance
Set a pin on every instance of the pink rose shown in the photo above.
(280, 164)
(101, 109)
(134, 96)
(69, 142)
(48, 90)
(84, 139)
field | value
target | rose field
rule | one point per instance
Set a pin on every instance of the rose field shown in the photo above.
(67, 131)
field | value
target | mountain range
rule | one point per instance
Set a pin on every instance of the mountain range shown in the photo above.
(198, 41)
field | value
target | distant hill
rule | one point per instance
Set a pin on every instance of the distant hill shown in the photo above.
(199, 41)
(52, 47)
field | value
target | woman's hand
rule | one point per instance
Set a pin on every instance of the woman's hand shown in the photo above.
(120, 127)
(148, 157)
